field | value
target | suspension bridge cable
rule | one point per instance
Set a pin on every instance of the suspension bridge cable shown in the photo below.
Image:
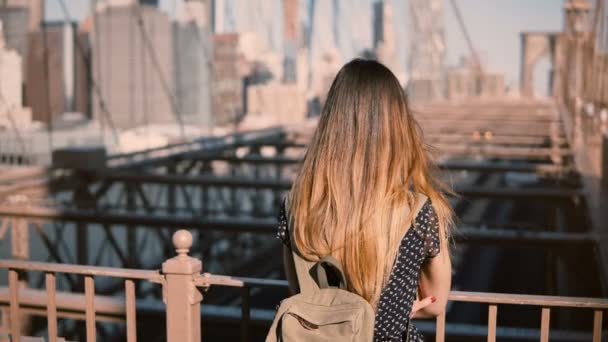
(157, 67)
(144, 81)
(96, 89)
(467, 37)
(46, 75)
(131, 54)
(97, 72)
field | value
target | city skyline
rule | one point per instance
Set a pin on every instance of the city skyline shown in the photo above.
(498, 45)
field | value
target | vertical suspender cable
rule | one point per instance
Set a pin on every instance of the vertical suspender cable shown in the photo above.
(156, 64)
(46, 75)
(467, 36)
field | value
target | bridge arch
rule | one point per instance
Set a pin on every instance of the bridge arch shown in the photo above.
(536, 46)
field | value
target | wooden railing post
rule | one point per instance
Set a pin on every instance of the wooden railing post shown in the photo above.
(181, 296)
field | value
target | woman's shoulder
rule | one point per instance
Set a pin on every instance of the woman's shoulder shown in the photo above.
(427, 226)
(427, 216)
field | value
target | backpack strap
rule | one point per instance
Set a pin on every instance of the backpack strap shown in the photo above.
(304, 268)
(312, 275)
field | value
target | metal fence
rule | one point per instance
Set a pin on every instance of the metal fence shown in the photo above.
(181, 276)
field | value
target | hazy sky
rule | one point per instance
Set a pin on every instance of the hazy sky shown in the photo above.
(494, 26)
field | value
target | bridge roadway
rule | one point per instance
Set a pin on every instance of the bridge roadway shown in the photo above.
(524, 225)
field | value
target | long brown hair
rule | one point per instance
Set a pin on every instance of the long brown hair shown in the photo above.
(362, 167)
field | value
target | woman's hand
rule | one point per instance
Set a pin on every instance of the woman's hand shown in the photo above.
(421, 304)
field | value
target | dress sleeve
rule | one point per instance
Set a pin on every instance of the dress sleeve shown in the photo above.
(428, 224)
(282, 232)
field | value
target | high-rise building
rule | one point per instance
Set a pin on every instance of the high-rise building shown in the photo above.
(19, 18)
(291, 29)
(217, 15)
(10, 77)
(34, 7)
(12, 113)
(57, 80)
(276, 103)
(132, 65)
(427, 52)
(193, 58)
(15, 28)
(227, 83)
(384, 39)
(325, 56)
(258, 16)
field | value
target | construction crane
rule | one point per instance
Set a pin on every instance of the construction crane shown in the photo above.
(474, 55)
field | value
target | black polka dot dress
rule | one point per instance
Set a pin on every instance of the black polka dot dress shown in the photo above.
(395, 305)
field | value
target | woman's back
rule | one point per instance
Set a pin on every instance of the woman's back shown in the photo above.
(418, 244)
(351, 198)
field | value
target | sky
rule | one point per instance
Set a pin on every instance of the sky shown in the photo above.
(494, 26)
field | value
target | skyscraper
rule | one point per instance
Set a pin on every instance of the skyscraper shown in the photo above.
(57, 80)
(427, 49)
(291, 36)
(15, 20)
(384, 39)
(12, 113)
(34, 8)
(193, 57)
(228, 88)
(10, 77)
(132, 64)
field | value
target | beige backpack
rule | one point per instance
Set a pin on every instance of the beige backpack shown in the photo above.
(321, 312)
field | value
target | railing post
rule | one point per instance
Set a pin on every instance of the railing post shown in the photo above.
(601, 211)
(440, 328)
(181, 296)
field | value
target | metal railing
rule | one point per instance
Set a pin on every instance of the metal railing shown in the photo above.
(598, 306)
(181, 276)
(89, 273)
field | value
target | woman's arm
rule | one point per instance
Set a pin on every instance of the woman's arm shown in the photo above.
(290, 271)
(435, 281)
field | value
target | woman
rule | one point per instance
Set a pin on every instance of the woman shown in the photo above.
(352, 199)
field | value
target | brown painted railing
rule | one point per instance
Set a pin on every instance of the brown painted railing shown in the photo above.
(180, 278)
(598, 305)
(89, 272)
